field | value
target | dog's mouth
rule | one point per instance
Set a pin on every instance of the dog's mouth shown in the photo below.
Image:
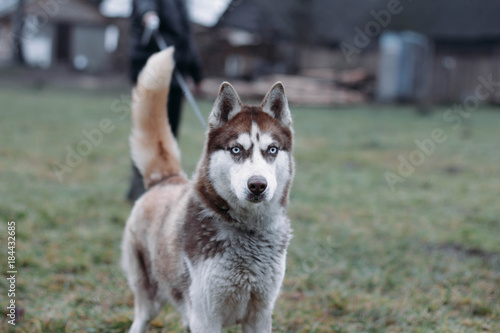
(256, 198)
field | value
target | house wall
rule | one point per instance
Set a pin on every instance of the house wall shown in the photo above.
(334, 58)
(120, 58)
(457, 68)
(219, 58)
(6, 52)
(87, 49)
(68, 33)
(37, 49)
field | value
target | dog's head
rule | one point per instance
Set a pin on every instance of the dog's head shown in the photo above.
(249, 149)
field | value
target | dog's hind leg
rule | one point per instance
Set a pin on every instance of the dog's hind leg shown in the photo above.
(184, 310)
(145, 310)
(148, 301)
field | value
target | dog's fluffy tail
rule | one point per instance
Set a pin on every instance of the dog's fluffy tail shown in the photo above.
(153, 146)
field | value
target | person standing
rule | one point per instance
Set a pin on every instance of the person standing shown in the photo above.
(171, 19)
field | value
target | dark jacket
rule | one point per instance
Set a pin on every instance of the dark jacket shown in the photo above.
(175, 29)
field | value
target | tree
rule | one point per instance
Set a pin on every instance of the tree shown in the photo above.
(18, 32)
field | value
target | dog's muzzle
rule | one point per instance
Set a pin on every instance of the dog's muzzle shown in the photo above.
(257, 186)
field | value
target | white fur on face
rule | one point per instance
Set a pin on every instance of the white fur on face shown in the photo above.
(230, 178)
(245, 140)
(256, 165)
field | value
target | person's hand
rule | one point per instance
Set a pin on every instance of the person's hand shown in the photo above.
(151, 21)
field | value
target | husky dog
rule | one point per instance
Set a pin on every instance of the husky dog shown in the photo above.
(215, 246)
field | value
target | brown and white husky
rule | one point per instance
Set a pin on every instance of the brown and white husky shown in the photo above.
(214, 246)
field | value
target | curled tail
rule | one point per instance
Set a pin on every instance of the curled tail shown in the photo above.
(153, 147)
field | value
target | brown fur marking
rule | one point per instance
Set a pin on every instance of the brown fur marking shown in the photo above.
(276, 108)
(199, 242)
(148, 283)
(177, 294)
(210, 197)
(162, 152)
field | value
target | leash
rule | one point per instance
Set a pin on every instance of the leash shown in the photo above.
(146, 37)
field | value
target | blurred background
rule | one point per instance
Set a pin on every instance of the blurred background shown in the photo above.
(395, 204)
(330, 52)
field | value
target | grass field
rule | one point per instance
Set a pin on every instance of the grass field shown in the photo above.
(423, 257)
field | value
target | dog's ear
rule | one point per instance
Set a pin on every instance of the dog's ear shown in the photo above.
(276, 104)
(226, 106)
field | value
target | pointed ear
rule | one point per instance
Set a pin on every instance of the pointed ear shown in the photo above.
(276, 104)
(226, 106)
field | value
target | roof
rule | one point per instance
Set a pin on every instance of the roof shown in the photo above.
(75, 11)
(333, 21)
(452, 19)
(311, 21)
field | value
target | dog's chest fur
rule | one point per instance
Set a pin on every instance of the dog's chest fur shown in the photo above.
(242, 266)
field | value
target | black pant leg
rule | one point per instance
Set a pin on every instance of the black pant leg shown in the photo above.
(136, 188)
(174, 107)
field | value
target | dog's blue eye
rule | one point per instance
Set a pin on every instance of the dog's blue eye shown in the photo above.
(273, 150)
(235, 150)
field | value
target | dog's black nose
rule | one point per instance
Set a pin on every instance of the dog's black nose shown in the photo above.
(257, 184)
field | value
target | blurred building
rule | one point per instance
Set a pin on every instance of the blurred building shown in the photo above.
(326, 38)
(72, 34)
(255, 37)
(466, 40)
(336, 43)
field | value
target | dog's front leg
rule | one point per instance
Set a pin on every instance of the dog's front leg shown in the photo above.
(203, 321)
(204, 326)
(258, 321)
(204, 316)
(258, 318)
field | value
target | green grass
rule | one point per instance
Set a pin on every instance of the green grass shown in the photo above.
(422, 258)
